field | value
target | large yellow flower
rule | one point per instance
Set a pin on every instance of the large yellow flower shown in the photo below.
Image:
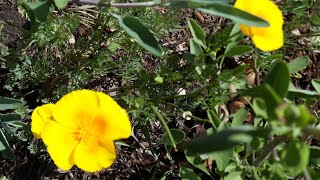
(265, 38)
(82, 130)
(39, 116)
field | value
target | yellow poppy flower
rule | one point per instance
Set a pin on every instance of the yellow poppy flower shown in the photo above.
(83, 129)
(265, 38)
(39, 116)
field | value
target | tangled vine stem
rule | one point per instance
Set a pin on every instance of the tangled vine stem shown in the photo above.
(117, 5)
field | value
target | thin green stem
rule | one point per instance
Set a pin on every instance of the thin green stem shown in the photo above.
(268, 149)
(164, 124)
(117, 5)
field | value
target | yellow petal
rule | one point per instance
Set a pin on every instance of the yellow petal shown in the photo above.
(60, 144)
(270, 12)
(93, 155)
(119, 126)
(38, 118)
(76, 106)
(245, 29)
(269, 42)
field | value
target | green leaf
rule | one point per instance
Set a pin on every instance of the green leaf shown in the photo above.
(234, 14)
(235, 37)
(37, 11)
(60, 3)
(188, 174)
(234, 176)
(141, 33)
(268, 94)
(197, 33)
(9, 103)
(178, 137)
(213, 118)
(193, 3)
(316, 84)
(315, 20)
(301, 93)
(222, 158)
(197, 161)
(259, 107)
(10, 117)
(224, 139)
(238, 50)
(295, 157)
(279, 78)
(298, 64)
(195, 48)
(314, 156)
(6, 151)
(239, 117)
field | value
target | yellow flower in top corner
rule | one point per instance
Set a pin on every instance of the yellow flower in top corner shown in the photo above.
(82, 130)
(265, 38)
(39, 116)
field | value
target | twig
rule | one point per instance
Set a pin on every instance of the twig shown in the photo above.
(117, 5)
(268, 149)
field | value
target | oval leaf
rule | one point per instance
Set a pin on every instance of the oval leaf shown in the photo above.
(224, 140)
(298, 64)
(5, 147)
(10, 117)
(295, 157)
(316, 84)
(9, 103)
(279, 78)
(197, 33)
(61, 3)
(197, 161)
(238, 50)
(178, 137)
(141, 33)
(234, 14)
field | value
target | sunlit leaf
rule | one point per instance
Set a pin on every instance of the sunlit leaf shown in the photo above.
(140, 33)
(298, 64)
(60, 3)
(197, 33)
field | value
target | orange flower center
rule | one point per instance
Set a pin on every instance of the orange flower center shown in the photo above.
(96, 127)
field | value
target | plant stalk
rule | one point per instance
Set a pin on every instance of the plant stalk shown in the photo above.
(117, 5)
(164, 124)
(269, 149)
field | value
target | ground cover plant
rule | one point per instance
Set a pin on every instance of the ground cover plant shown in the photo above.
(188, 89)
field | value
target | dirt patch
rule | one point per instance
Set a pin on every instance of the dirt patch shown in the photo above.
(13, 22)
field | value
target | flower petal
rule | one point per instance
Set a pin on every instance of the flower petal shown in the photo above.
(119, 126)
(269, 42)
(60, 144)
(76, 106)
(93, 155)
(38, 118)
(265, 38)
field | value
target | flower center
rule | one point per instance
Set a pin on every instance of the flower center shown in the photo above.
(79, 134)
